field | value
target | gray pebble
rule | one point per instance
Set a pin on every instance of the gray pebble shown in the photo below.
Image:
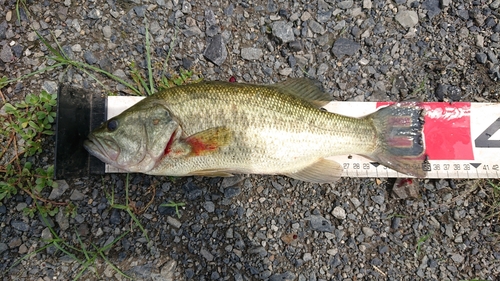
(17, 50)
(216, 51)
(3, 247)
(173, 222)
(251, 53)
(6, 54)
(55, 193)
(207, 255)
(283, 31)
(378, 199)
(106, 31)
(62, 220)
(457, 258)
(316, 27)
(20, 225)
(345, 47)
(344, 5)
(407, 18)
(481, 58)
(115, 216)
(50, 87)
(319, 223)
(140, 11)
(492, 57)
(286, 276)
(76, 195)
(231, 192)
(95, 14)
(432, 7)
(463, 14)
(295, 46)
(209, 206)
(368, 231)
(339, 213)
(192, 31)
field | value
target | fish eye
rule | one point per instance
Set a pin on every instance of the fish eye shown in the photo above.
(112, 125)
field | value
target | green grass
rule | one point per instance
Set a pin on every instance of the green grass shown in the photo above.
(174, 205)
(26, 123)
(128, 207)
(420, 242)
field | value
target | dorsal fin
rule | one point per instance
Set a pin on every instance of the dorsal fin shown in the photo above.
(305, 88)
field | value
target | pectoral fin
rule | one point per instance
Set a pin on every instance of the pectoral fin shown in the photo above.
(322, 171)
(209, 141)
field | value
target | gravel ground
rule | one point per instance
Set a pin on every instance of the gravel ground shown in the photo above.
(264, 227)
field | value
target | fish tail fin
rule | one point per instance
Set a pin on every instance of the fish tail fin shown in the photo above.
(400, 138)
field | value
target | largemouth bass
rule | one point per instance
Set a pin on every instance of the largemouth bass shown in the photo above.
(220, 128)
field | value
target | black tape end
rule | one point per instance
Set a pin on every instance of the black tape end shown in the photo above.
(78, 112)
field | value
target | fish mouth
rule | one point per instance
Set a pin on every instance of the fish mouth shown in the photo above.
(107, 152)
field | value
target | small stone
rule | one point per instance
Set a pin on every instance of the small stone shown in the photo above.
(481, 58)
(368, 231)
(115, 216)
(50, 87)
(6, 54)
(95, 14)
(62, 186)
(140, 11)
(344, 5)
(339, 213)
(120, 73)
(173, 222)
(76, 48)
(209, 206)
(46, 234)
(231, 192)
(492, 57)
(455, 93)
(15, 242)
(286, 71)
(367, 4)
(106, 31)
(495, 4)
(251, 53)
(3, 247)
(405, 188)
(192, 31)
(76, 196)
(345, 47)
(286, 276)
(463, 14)
(283, 31)
(207, 255)
(89, 57)
(316, 27)
(432, 7)
(295, 46)
(216, 51)
(442, 90)
(319, 223)
(322, 69)
(186, 7)
(307, 257)
(20, 225)
(62, 220)
(378, 199)
(407, 19)
(305, 16)
(457, 258)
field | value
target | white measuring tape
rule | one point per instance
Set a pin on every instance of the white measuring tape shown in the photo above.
(462, 139)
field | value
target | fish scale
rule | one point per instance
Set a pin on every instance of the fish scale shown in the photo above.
(269, 127)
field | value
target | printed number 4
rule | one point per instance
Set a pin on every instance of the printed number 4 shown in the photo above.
(484, 138)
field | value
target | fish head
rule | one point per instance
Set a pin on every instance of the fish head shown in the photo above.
(135, 140)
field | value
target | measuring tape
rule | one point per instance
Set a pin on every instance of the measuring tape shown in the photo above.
(462, 139)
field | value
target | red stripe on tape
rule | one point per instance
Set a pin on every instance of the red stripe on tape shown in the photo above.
(446, 130)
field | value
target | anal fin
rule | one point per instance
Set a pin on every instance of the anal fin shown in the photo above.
(211, 173)
(322, 171)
